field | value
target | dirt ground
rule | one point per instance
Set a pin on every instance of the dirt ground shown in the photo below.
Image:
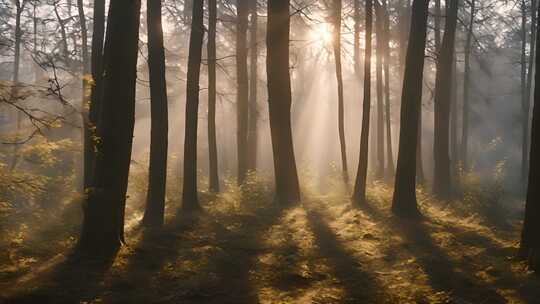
(324, 250)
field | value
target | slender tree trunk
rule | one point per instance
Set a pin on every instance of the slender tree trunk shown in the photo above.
(404, 200)
(390, 169)
(524, 94)
(103, 222)
(339, 77)
(454, 142)
(420, 177)
(357, 20)
(359, 193)
(16, 67)
(527, 100)
(94, 108)
(242, 86)
(86, 79)
(212, 138)
(159, 133)
(530, 237)
(466, 88)
(253, 88)
(279, 101)
(190, 201)
(442, 187)
(379, 25)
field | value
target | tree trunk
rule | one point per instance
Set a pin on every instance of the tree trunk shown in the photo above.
(379, 24)
(103, 223)
(466, 88)
(279, 102)
(443, 90)
(212, 138)
(359, 194)
(390, 169)
(404, 200)
(527, 100)
(159, 132)
(530, 237)
(357, 63)
(94, 108)
(339, 77)
(242, 86)
(253, 88)
(86, 82)
(190, 201)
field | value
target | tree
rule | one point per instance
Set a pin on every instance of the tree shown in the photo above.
(359, 193)
(386, 51)
(242, 86)
(94, 108)
(253, 88)
(467, 87)
(443, 91)
(404, 201)
(356, 43)
(190, 201)
(530, 236)
(212, 60)
(379, 25)
(336, 17)
(103, 222)
(279, 102)
(159, 133)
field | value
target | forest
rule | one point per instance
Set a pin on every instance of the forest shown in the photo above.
(269, 151)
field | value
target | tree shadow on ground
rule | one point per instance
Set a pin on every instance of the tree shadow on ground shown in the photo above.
(444, 274)
(204, 259)
(71, 280)
(360, 286)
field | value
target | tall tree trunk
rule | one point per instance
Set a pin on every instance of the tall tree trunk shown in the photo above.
(454, 142)
(242, 86)
(190, 201)
(527, 99)
(523, 85)
(253, 88)
(420, 177)
(379, 25)
(94, 108)
(356, 55)
(437, 26)
(279, 101)
(466, 88)
(443, 90)
(86, 79)
(212, 140)
(359, 194)
(103, 223)
(390, 169)
(530, 236)
(404, 200)
(339, 77)
(159, 133)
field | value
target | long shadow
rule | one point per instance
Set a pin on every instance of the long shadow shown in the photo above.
(442, 272)
(152, 252)
(360, 286)
(70, 281)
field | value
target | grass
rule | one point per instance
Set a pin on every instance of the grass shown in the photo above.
(243, 249)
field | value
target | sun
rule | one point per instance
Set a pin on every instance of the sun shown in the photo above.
(322, 34)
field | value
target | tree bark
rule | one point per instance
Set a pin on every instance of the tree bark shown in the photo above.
(390, 169)
(159, 132)
(253, 116)
(339, 77)
(212, 138)
(242, 86)
(404, 201)
(190, 201)
(94, 108)
(530, 236)
(359, 193)
(103, 222)
(379, 25)
(466, 89)
(527, 100)
(279, 101)
(356, 43)
(442, 187)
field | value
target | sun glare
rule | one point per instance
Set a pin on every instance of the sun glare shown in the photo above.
(321, 34)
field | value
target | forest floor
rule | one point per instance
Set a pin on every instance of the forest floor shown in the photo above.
(245, 249)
